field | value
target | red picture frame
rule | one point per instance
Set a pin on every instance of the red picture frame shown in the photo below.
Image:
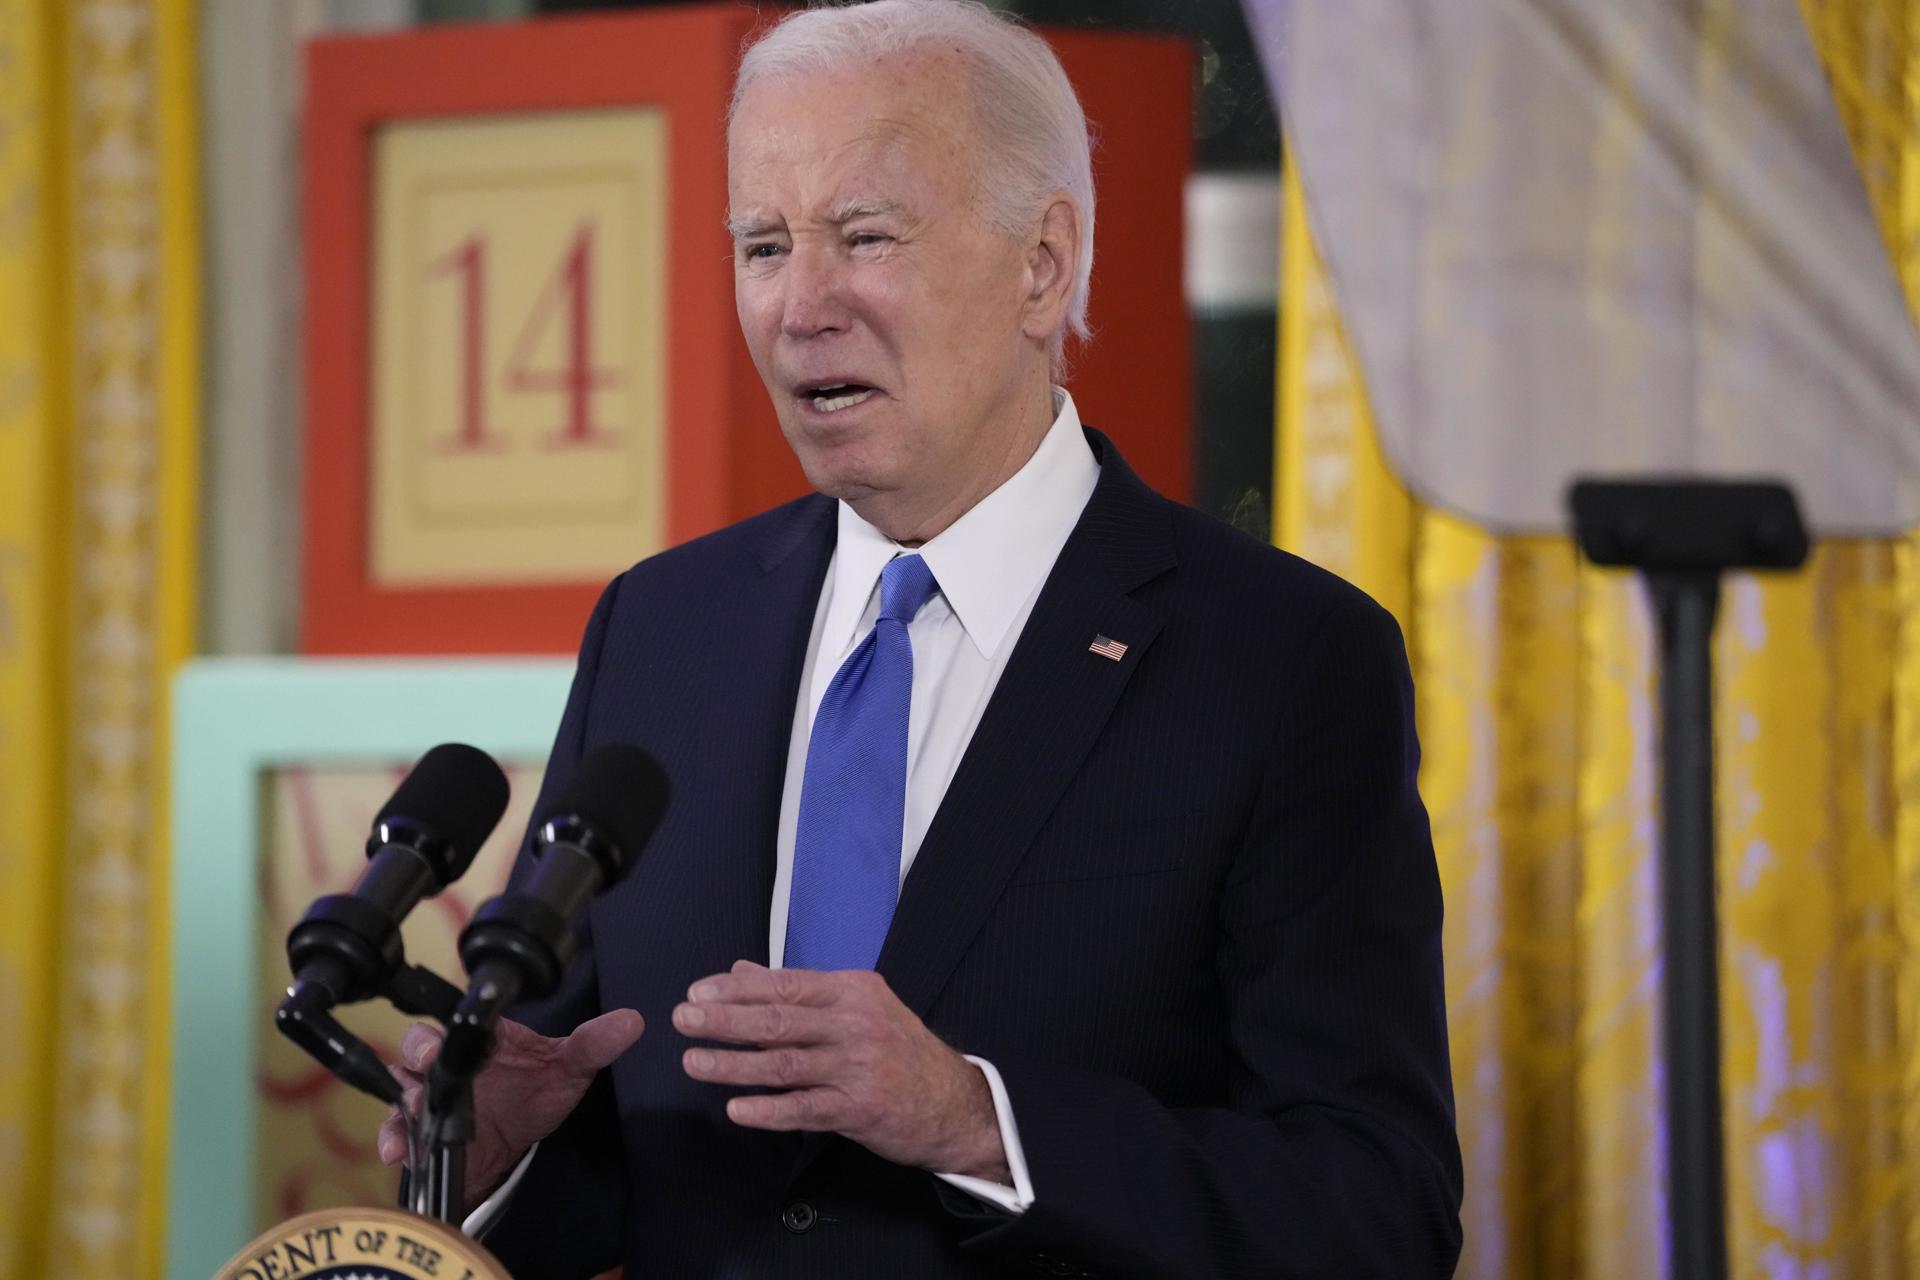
(725, 456)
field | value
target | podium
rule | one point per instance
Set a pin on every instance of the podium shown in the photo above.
(368, 1244)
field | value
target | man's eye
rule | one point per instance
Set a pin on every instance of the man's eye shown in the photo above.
(861, 239)
(754, 251)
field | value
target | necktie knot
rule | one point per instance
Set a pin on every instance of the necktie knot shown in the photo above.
(906, 584)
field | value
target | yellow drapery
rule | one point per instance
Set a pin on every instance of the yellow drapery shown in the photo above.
(1537, 719)
(98, 368)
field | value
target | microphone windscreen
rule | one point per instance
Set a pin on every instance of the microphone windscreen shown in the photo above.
(458, 793)
(620, 791)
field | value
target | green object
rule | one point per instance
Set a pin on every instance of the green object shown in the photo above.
(233, 720)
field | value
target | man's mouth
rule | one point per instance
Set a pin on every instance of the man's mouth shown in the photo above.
(838, 396)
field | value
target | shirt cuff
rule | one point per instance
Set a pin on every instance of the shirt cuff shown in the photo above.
(481, 1220)
(1017, 1198)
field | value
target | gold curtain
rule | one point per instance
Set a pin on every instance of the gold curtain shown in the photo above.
(1537, 717)
(98, 366)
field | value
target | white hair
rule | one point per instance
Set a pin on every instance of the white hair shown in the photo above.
(1023, 102)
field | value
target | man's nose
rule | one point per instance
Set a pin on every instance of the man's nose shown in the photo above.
(814, 300)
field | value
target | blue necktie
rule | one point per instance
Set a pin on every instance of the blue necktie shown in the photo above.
(853, 800)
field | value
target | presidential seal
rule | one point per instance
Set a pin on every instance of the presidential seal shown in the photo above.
(362, 1244)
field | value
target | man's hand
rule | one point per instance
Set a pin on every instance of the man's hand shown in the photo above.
(851, 1059)
(529, 1085)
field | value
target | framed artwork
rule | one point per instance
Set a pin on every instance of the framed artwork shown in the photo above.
(279, 767)
(524, 371)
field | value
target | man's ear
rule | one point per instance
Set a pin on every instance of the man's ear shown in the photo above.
(1051, 263)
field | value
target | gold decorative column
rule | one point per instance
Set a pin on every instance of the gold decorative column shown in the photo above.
(126, 314)
(98, 365)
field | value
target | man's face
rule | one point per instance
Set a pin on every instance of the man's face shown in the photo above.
(884, 314)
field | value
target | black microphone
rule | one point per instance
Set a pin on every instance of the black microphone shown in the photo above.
(423, 840)
(518, 944)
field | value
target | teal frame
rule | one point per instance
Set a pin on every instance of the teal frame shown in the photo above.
(234, 719)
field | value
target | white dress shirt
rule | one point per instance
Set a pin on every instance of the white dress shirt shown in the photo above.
(990, 565)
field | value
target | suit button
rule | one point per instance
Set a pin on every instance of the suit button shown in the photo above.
(798, 1217)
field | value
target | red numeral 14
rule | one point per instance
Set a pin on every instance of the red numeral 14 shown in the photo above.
(566, 299)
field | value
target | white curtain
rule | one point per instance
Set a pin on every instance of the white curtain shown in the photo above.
(1596, 237)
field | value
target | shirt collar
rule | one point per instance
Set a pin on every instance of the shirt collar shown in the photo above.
(992, 559)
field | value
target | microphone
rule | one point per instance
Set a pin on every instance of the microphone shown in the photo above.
(518, 944)
(425, 838)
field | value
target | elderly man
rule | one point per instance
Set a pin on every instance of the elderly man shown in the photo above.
(1045, 886)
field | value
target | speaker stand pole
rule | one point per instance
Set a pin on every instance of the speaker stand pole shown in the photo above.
(1682, 536)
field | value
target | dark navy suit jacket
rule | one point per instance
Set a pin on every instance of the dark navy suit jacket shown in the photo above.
(1186, 902)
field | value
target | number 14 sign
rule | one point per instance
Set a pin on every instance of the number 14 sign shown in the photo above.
(518, 347)
(524, 372)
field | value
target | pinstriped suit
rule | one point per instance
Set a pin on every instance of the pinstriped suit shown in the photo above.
(1186, 902)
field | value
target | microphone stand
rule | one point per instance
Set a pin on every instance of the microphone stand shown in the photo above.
(515, 945)
(447, 1126)
(447, 1113)
(1682, 536)
(446, 1122)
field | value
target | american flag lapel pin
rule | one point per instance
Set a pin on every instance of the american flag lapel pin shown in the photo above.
(1107, 647)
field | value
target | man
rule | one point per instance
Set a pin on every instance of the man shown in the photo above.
(1045, 887)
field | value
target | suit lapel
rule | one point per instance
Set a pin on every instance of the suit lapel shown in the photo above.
(732, 723)
(772, 626)
(1049, 707)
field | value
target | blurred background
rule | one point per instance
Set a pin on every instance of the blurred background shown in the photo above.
(201, 347)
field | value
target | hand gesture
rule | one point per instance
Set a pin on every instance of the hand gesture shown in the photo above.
(847, 1057)
(530, 1084)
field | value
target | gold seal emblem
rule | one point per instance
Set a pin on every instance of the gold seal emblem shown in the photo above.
(362, 1244)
